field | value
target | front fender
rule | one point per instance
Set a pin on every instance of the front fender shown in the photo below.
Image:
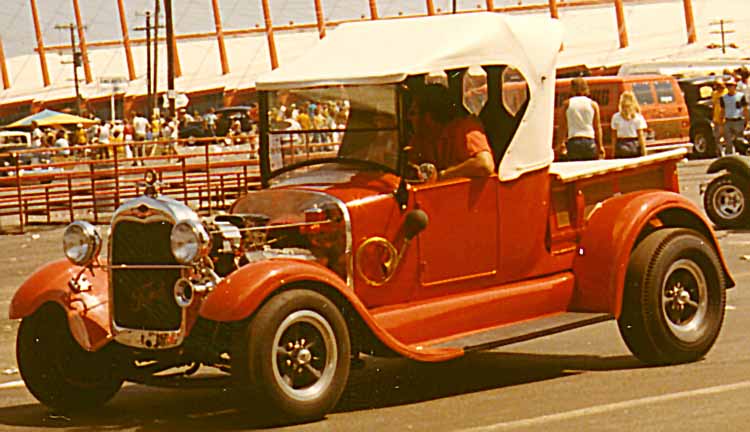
(733, 164)
(88, 312)
(610, 235)
(240, 294)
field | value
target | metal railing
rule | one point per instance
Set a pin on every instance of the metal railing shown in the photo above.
(90, 182)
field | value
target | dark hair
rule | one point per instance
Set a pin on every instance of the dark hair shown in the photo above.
(435, 99)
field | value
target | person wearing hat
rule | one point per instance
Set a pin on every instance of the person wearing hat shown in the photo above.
(734, 113)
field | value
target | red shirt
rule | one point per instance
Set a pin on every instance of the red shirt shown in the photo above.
(459, 140)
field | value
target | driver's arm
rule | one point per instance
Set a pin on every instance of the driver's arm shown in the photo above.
(479, 165)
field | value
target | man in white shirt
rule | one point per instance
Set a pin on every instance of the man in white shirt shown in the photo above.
(140, 128)
(37, 136)
(102, 134)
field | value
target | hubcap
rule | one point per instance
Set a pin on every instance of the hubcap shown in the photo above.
(685, 300)
(729, 201)
(701, 144)
(305, 355)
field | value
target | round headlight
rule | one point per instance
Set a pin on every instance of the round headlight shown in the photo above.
(190, 241)
(81, 243)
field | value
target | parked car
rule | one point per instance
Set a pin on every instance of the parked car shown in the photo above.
(659, 96)
(15, 155)
(225, 117)
(697, 92)
(356, 252)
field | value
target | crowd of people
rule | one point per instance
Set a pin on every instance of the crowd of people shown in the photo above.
(138, 135)
(582, 123)
(323, 120)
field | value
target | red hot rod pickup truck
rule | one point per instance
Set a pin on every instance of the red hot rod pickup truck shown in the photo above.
(348, 250)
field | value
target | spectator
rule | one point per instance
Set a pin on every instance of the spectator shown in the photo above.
(628, 128)
(734, 114)
(140, 129)
(127, 135)
(62, 143)
(80, 138)
(209, 120)
(718, 91)
(583, 126)
(36, 135)
(103, 132)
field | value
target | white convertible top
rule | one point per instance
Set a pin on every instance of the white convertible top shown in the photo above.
(387, 51)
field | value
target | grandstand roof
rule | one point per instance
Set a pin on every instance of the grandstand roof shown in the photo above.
(656, 31)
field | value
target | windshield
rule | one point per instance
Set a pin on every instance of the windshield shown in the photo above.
(346, 122)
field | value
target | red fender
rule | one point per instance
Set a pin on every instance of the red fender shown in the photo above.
(610, 235)
(238, 296)
(88, 312)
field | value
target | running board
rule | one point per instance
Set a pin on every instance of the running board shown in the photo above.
(523, 331)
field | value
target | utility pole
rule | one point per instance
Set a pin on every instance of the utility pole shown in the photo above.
(147, 29)
(154, 92)
(170, 57)
(76, 60)
(723, 31)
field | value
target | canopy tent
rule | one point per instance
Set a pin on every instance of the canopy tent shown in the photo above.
(50, 118)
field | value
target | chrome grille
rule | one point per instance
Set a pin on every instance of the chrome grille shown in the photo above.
(143, 298)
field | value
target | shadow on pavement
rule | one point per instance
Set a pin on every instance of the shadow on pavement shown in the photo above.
(381, 383)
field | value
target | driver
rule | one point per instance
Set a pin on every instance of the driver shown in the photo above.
(455, 143)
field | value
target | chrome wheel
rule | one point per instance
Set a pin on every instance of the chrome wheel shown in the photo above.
(700, 144)
(685, 300)
(306, 356)
(729, 201)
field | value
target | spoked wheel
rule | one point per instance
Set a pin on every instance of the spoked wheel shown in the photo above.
(673, 305)
(293, 357)
(57, 371)
(726, 202)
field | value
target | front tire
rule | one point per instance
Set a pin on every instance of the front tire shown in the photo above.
(674, 299)
(57, 371)
(292, 359)
(726, 202)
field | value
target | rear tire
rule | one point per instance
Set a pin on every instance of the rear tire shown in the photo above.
(57, 371)
(726, 201)
(703, 143)
(674, 299)
(292, 359)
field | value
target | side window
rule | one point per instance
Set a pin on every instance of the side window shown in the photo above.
(515, 90)
(643, 93)
(475, 90)
(664, 92)
(601, 96)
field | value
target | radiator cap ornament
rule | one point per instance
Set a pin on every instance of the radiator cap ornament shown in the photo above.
(153, 187)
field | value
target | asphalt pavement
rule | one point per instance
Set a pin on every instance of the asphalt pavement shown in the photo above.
(582, 380)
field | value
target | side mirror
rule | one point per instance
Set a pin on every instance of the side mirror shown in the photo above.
(416, 221)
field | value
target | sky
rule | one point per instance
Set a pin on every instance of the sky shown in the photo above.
(102, 20)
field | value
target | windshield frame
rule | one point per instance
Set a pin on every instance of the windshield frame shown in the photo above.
(265, 132)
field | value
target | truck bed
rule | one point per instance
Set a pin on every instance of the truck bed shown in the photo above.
(566, 172)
